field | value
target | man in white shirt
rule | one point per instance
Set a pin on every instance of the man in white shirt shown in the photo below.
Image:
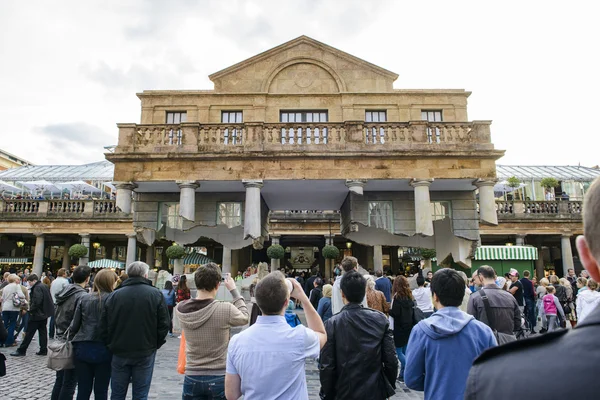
(348, 264)
(267, 360)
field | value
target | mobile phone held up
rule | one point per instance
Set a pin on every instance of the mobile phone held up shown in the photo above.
(223, 277)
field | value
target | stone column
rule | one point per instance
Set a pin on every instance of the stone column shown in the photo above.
(38, 255)
(66, 262)
(275, 263)
(187, 199)
(124, 192)
(567, 254)
(539, 263)
(377, 258)
(423, 219)
(520, 240)
(85, 240)
(131, 248)
(150, 257)
(226, 264)
(252, 220)
(356, 185)
(487, 203)
(178, 266)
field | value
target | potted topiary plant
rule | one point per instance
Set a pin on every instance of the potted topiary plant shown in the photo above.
(548, 184)
(330, 252)
(513, 182)
(427, 255)
(276, 252)
(176, 253)
(78, 251)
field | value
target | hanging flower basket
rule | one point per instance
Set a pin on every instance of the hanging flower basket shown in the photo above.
(428, 254)
(78, 251)
(330, 252)
(175, 252)
(276, 252)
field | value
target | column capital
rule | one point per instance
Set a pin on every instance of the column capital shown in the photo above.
(39, 234)
(188, 184)
(356, 185)
(125, 185)
(484, 182)
(567, 235)
(252, 183)
(131, 235)
(84, 235)
(420, 182)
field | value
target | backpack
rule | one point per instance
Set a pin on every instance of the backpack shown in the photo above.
(292, 320)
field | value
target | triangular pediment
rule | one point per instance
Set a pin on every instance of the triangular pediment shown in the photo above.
(303, 65)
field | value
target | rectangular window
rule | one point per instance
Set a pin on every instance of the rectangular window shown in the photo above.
(232, 135)
(307, 135)
(440, 210)
(176, 134)
(433, 134)
(229, 214)
(168, 215)
(381, 215)
(176, 117)
(374, 135)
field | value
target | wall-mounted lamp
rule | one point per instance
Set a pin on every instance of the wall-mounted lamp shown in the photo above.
(20, 243)
(348, 245)
(96, 245)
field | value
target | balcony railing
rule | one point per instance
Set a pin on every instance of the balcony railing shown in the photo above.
(60, 208)
(542, 208)
(258, 136)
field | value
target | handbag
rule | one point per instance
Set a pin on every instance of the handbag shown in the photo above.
(390, 318)
(501, 338)
(181, 358)
(60, 354)
(418, 314)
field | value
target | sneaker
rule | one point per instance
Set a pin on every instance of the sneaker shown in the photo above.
(400, 379)
(17, 354)
(171, 335)
(179, 337)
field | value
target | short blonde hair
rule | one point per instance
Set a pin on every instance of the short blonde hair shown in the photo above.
(544, 282)
(553, 279)
(592, 284)
(582, 281)
(551, 289)
(370, 281)
(13, 278)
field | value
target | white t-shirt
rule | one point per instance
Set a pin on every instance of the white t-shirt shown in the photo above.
(423, 297)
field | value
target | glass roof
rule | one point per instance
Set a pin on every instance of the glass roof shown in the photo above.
(98, 171)
(535, 172)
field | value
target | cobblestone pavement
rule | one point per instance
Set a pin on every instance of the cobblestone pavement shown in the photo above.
(166, 382)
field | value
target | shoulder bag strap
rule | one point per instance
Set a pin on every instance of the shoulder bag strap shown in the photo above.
(488, 309)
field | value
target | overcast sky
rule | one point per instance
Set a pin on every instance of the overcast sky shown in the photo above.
(69, 70)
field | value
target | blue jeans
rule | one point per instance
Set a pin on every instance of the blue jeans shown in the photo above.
(10, 322)
(530, 311)
(401, 352)
(23, 325)
(137, 370)
(204, 387)
(64, 385)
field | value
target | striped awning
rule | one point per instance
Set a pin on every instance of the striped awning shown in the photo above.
(106, 263)
(15, 260)
(506, 253)
(196, 259)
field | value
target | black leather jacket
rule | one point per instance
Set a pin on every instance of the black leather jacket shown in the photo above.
(66, 303)
(359, 359)
(41, 305)
(88, 318)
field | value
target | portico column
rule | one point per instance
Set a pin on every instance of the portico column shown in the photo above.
(187, 199)
(124, 191)
(539, 263)
(377, 258)
(520, 240)
(487, 203)
(567, 254)
(423, 219)
(150, 256)
(275, 263)
(66, 262)
(252, 220)
(226, 264)
(356, 185)
(131, 248)
(38, 255)
(85, 240)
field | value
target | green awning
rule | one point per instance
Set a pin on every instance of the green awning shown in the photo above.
(106, 263)
(506, 253)
(196, 259)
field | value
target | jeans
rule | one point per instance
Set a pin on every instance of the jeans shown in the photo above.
(52, 328)
(94, 377)
(137, 370)
(33, 326)
(170, 308)
(23, 324)
(401, 352)
(204, 387)
(530, 311)
(10, 322)
(64, 385)
(552, 322)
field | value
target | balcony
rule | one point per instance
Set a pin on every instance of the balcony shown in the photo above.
(539, 210)
(257, 138)
(60, 209)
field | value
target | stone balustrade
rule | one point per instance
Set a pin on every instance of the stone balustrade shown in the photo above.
(543, 209)
(59, 208)
(258, 136)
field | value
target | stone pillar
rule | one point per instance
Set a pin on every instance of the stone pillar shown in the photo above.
(539, 263)
(423, 219)
(487, 202)
(131, 248)
(38, 255)
(187, 199)
(85, 240)
(150, 257)
(124, 192)
(520, 240)
(252, 220)
(178, 266)
(226, 264)
(567, 254)
(356, 185)
(275, 263)
(66, 262)
(377, 258)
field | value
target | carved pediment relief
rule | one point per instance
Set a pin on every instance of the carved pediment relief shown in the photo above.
(303, 65)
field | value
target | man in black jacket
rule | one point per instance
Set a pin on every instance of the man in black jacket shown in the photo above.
(368, 372)
(533, 365)
(41, 307)
(135, 322)
(66, 303)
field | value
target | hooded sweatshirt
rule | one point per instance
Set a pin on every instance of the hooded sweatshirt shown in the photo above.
(66, 303)
(587, 300)
(423, 297)
(441, 350)
(206, 325)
